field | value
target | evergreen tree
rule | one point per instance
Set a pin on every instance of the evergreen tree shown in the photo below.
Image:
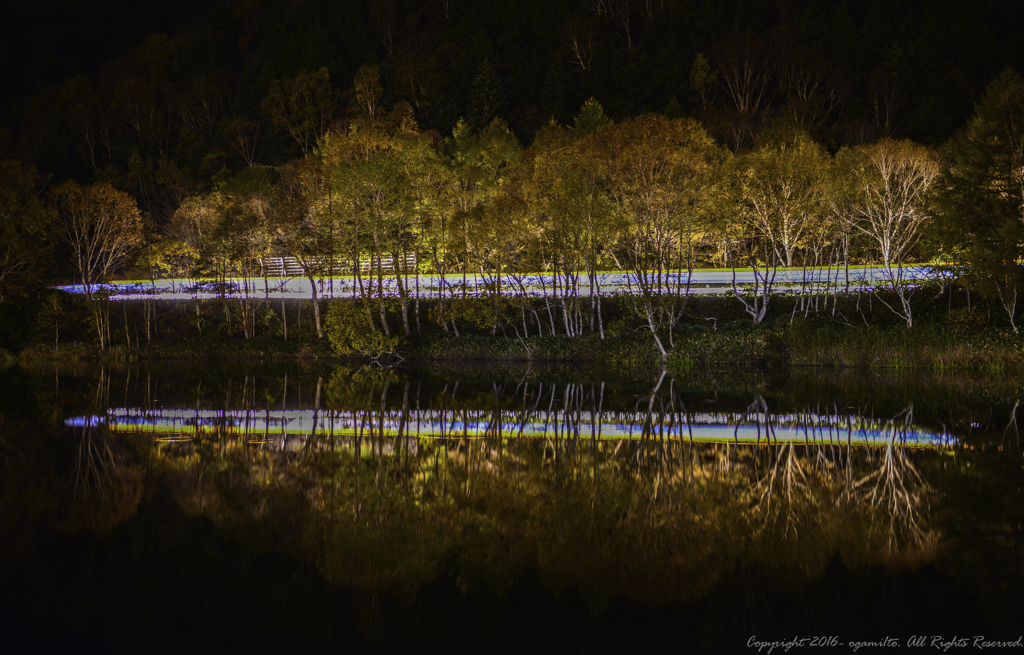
(487, 100)
(703, 81)
(980, 203)
(591, 117)
(673, 109)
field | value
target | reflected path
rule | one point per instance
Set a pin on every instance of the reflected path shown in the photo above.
(289, 429)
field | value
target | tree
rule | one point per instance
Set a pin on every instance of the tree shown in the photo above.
(302, 106)
(561, 183)
(502, 236)
(368, 89)
(814, 90)
(481, 163)
(24, 230)
(193, 226)
(487, 99)
(86, 114)
(779, 186)
(248, 211)
(302, 212)
(429, 181)
(225, 232)
(591, 118)
(423, 82)
(979, 202)
(658, 173)
(892, 181)
(703, 81)
(745, 68)
(103, 227)
(242, 136)
(384, 174)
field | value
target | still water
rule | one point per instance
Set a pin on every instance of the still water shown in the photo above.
(321, 508)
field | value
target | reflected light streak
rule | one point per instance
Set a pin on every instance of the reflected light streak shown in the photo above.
(294, 425)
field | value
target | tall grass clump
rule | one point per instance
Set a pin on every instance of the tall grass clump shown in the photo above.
(932, 345)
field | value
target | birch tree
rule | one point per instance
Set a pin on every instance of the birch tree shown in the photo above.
(658, 173)
(102, 227)
(780, 190)
(892, 181)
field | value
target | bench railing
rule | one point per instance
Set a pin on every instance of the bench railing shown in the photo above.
(291, 267)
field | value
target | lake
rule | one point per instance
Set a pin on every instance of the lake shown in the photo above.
(308, 507)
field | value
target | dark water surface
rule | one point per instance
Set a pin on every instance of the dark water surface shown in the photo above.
(311, 508)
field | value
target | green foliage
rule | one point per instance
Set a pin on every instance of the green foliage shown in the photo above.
(781, 191)
(368, 89)
(168, 258)
(703, 80)
(27, 231)
(736, 346)
(302, 106)
(591, 117)
(57, 312)
(980, 201)
(351, 332)
(487, 101)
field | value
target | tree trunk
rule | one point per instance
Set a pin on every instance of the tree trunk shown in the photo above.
(316, 308)
(654, 332)
(384, 317)
(403, 295)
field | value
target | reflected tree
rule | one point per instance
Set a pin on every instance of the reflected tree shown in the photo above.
(898, 492)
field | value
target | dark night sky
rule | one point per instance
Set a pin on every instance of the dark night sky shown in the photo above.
(43, 42)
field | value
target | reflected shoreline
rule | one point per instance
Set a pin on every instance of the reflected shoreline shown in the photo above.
(393, 484)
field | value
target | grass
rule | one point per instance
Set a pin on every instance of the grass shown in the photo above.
(930, 346)
(949, 335)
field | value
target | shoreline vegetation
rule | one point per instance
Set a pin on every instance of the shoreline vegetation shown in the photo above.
(953, 332)
(653, 198)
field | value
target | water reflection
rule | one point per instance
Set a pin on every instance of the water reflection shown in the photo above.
(653, 493)
(662, 490)
(571, 411)
(288, 429)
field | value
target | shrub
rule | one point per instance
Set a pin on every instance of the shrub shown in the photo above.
(737, 346)
(350, 333)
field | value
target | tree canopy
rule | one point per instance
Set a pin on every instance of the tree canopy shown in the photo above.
(980, 203)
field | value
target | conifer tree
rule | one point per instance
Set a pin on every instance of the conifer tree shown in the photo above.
(979, 205)
(591, 117)
(487, 100)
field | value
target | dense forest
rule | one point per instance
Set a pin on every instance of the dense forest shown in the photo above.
(500, 139)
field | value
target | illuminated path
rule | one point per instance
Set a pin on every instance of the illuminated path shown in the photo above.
(706, 282)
